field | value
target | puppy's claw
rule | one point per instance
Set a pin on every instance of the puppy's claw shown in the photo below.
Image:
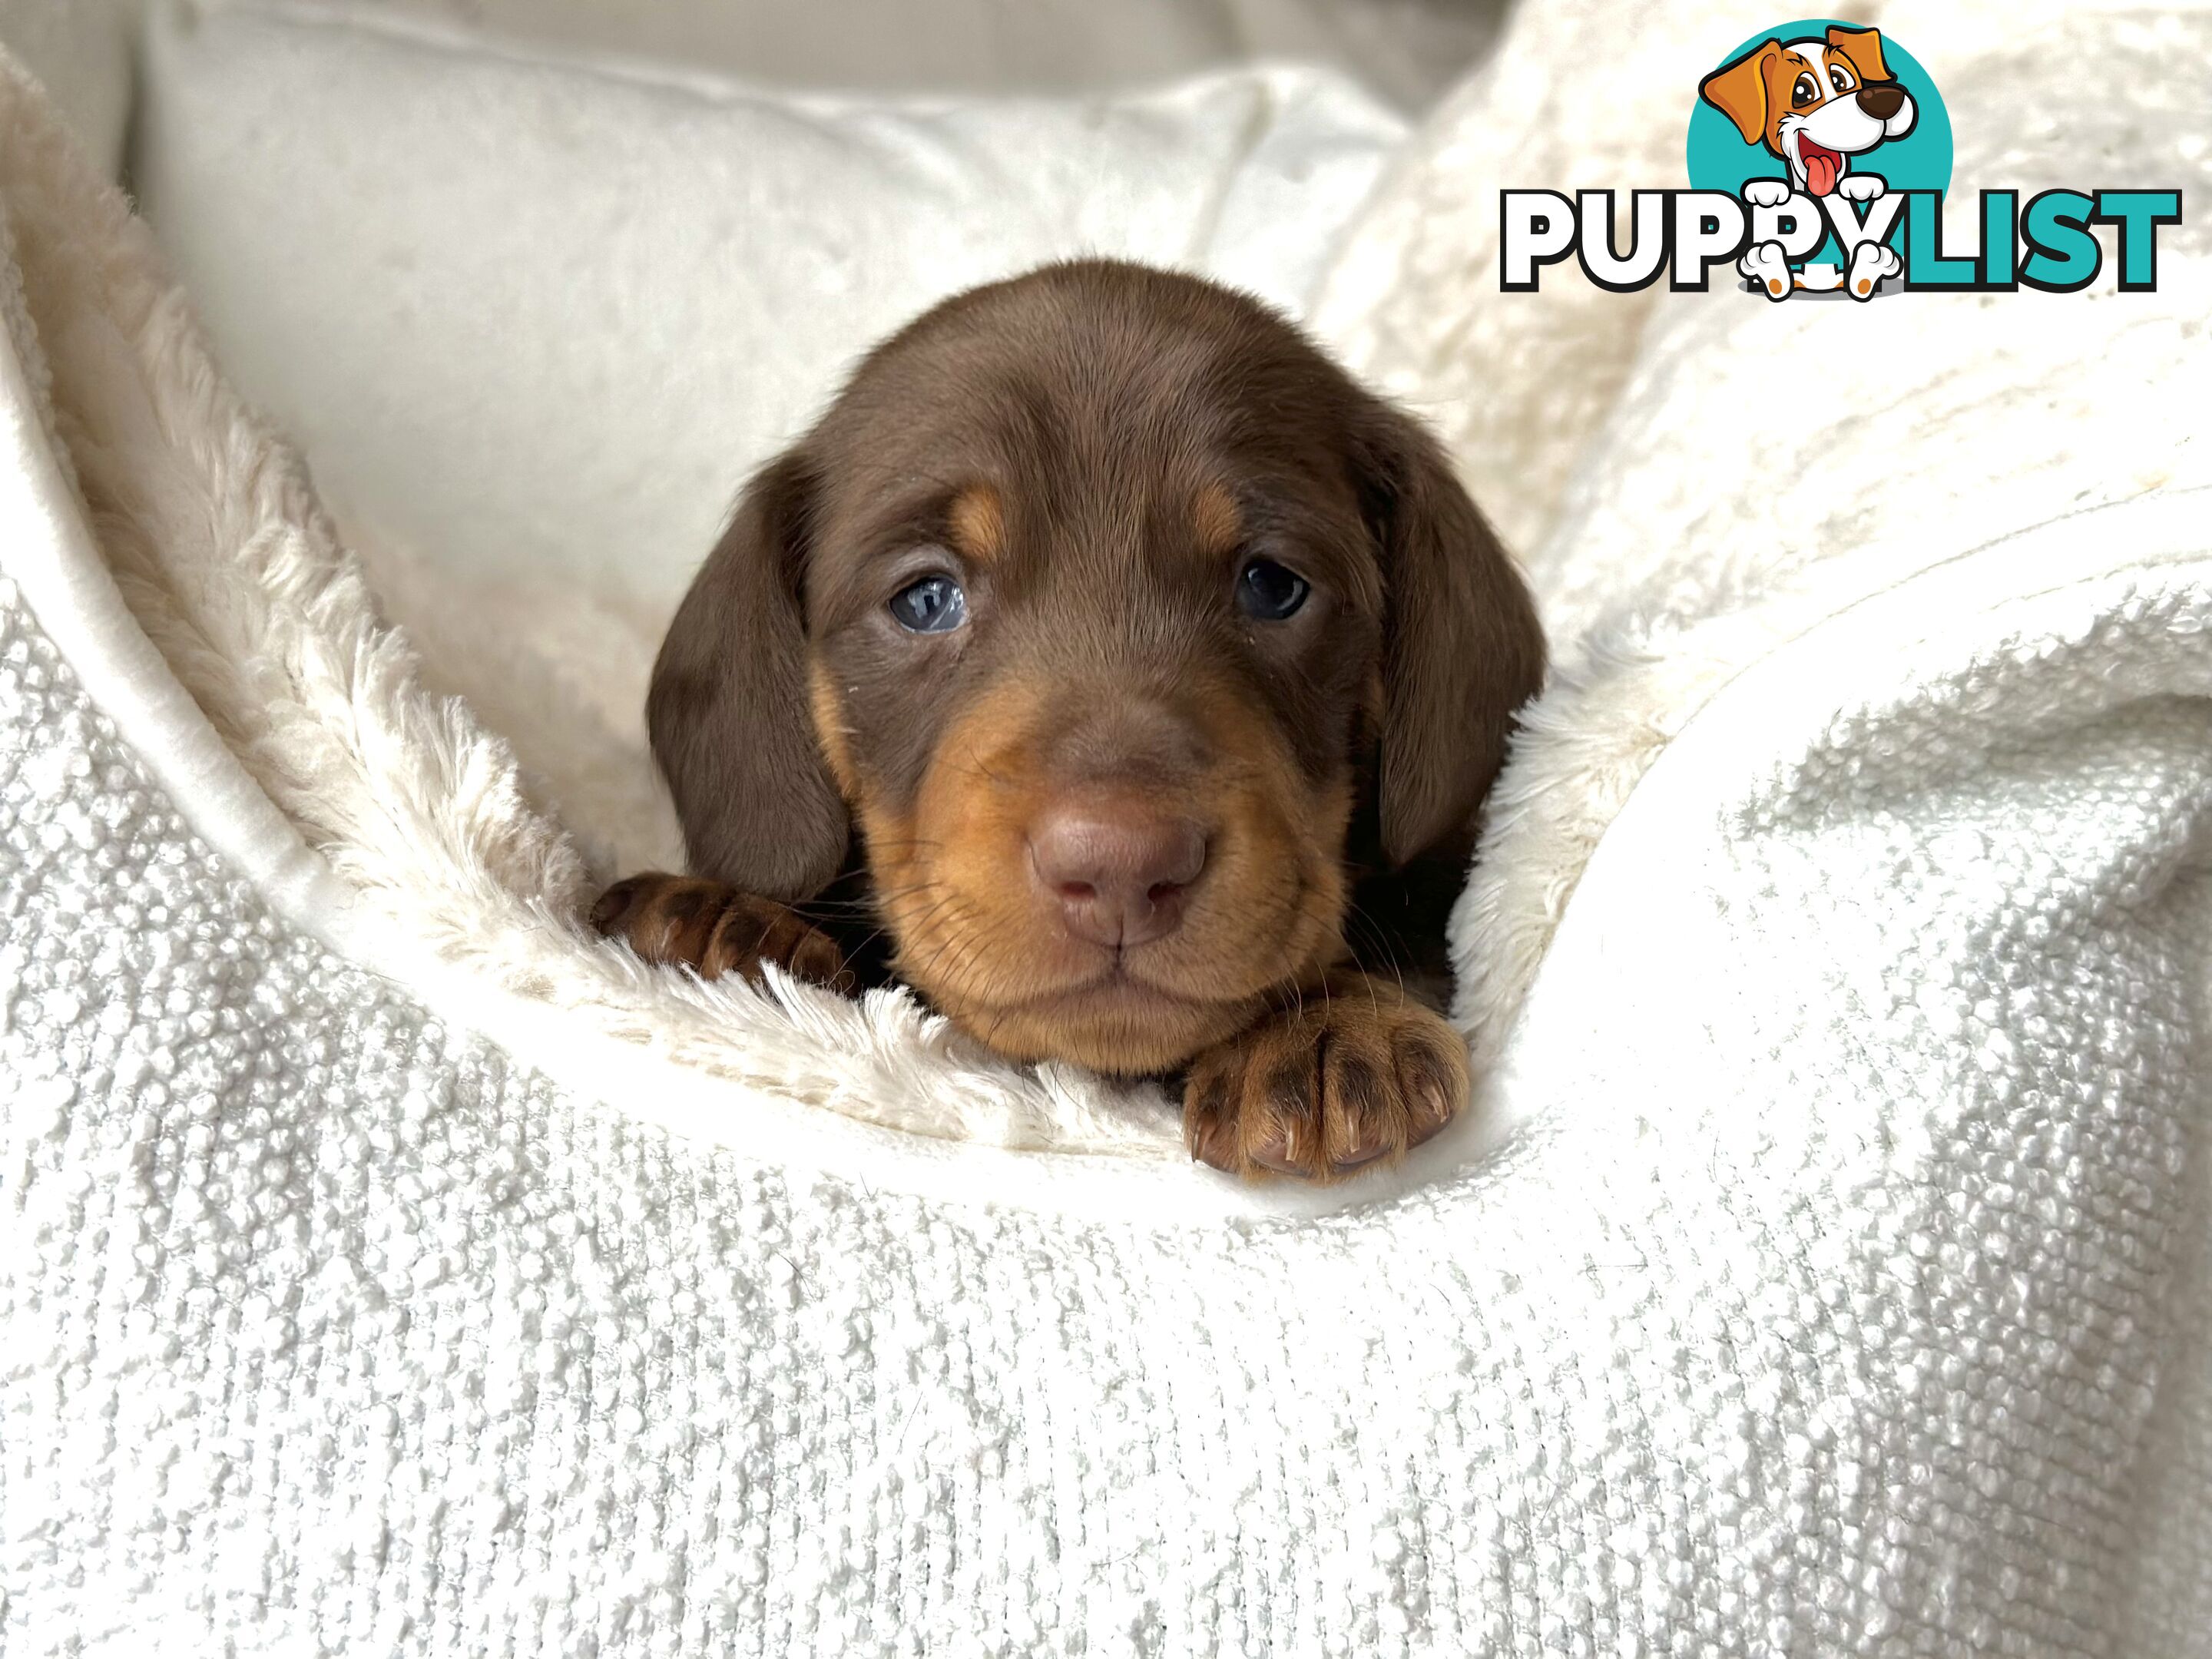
(714, 929)
(1354, 1075)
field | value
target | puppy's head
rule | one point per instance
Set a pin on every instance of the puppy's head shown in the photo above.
(1126, 629)
(1814, 103)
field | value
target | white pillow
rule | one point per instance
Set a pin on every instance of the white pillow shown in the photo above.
(79, 50)
(534, 322)
(545, 316)
(1407, 50)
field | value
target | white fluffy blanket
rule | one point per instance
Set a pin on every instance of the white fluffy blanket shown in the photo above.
(1827, 1270)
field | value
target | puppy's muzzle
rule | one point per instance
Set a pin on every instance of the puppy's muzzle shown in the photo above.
(1882, 99)
(1118, 868)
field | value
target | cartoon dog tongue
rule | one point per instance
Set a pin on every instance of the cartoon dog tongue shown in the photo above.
(1822, 167)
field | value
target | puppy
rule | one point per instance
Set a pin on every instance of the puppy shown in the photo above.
(1109, 667)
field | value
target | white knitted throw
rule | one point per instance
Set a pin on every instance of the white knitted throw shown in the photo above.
(387, 1268)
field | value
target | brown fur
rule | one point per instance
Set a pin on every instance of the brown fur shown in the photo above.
(714, 928)
(1095, 451)
(1348, 1073)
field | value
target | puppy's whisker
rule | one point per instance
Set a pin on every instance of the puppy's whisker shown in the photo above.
(950, 940)
(868, 906)
(1380, 952)
(919, 925)
(955, 992)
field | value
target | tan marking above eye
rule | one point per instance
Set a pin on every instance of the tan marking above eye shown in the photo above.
(978, 519)
(1220, 525)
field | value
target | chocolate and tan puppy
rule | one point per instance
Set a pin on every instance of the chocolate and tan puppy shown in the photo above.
(1109, 667)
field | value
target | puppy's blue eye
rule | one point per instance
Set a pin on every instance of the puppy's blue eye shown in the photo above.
(1267, 592)
(935, 604)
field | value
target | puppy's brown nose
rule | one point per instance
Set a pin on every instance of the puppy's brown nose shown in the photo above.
(1119, 871)
(1882, 100)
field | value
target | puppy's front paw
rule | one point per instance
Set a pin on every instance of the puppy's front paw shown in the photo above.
(1766, 192)
(716, 929)
(1861, 186)
(1353, 1074)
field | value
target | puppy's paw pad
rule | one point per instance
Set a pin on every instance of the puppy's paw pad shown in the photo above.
(714, 929)
(1353, 1078)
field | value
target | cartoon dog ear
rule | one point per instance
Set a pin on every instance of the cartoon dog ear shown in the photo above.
(1738, 91)
(1463, 648)
(728, 712)
(1861, 48)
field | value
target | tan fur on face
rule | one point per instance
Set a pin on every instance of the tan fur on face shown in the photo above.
(978, 519)
(1219, 524)
(830, 730)
(977, 936)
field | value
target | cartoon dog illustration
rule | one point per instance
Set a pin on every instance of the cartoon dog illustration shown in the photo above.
(1816, 104)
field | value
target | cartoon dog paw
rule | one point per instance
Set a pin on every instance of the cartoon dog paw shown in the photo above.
(1766, 192)
(1870, 262)
(1861, 186)
(1764, 265)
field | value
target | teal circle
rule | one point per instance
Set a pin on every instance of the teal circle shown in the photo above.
(1718, 159)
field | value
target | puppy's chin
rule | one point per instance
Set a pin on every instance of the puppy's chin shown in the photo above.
(1006, 973)
(1120, 1027)
(1019, 986)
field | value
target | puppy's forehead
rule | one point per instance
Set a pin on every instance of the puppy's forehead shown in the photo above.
(1088, 376)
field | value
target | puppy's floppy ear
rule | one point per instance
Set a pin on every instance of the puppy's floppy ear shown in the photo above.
(1462, 649)
(1862, 47)
(1738, 91)
(728, 711)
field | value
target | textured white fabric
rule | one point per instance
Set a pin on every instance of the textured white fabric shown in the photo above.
(533, 417)
(1842, 1289)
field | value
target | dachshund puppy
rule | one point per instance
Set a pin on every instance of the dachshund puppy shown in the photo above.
(1110, 668)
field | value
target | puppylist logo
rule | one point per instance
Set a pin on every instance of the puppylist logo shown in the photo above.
(1819, 155)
